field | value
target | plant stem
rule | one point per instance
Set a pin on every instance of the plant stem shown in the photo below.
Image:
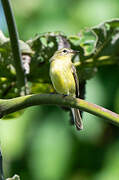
(15, 104)
(14, 43)
(102, 61)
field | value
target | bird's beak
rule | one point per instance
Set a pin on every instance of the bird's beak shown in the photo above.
(74, 51)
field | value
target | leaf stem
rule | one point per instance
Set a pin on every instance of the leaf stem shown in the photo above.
(21, 80)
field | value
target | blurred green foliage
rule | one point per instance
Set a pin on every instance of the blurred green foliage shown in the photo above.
(40, 144)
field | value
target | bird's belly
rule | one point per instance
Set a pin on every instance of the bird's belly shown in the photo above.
(62, 79)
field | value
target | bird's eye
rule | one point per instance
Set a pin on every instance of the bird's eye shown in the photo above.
(64, 51)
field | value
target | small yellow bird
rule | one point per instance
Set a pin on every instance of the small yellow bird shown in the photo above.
(64, 78)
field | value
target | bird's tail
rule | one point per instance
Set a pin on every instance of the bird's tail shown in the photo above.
(77, 118)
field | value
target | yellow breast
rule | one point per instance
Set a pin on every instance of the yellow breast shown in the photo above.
(62, 77)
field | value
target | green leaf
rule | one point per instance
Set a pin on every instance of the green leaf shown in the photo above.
(107, 38)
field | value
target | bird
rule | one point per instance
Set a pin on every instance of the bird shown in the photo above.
(65, 80)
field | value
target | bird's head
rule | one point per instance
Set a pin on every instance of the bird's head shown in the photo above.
(64, 53)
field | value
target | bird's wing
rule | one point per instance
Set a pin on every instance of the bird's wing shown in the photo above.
(76, 80)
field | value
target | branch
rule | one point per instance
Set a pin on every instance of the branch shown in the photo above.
(101, 61)
(14, 43)
(15, 104)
